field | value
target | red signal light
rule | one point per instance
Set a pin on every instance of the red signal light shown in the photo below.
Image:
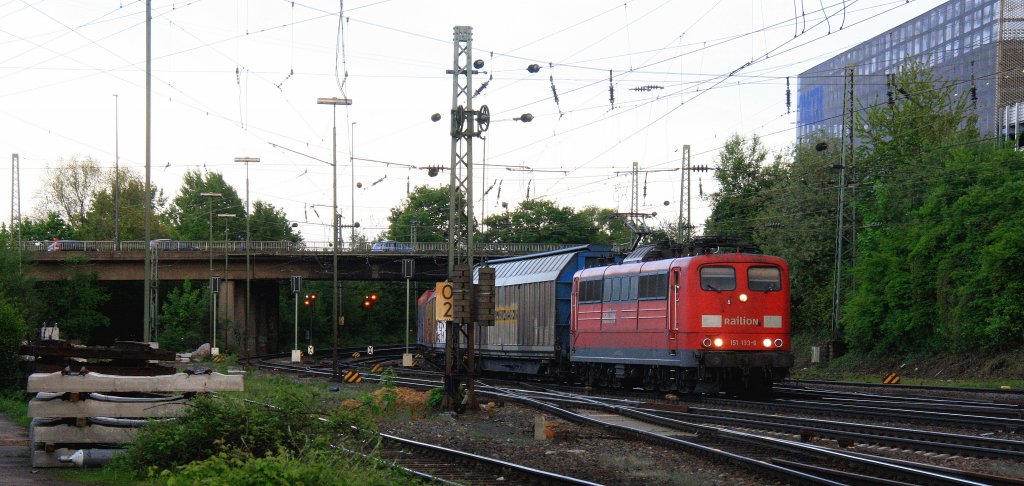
(373, 297)
(312, 296)
(306, 302)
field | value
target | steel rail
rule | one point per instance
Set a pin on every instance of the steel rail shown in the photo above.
(522, 474)
(864, 433)
(882, 466)
(956, 444)
(878, 413)
(1002, 391)
(824, 392)
(981, 410)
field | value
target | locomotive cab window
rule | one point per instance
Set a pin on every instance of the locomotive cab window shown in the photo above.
(590, 291)
(718, 278)
(653, 286)
(764, 279)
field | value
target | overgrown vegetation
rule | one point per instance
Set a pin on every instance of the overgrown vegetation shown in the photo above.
(939, 228)
(278, 432)
(184, 310)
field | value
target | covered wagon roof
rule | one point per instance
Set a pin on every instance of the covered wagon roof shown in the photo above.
(538, 269)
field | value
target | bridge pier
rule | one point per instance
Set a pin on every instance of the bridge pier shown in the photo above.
(262, 332)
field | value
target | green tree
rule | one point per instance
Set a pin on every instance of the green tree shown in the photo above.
(182, 317)
(937, 266)
(903, 144)
(539, 220)
(189, 213)
(74, 303)
(745, 180)
(99, 220)
(53, 226)
(798, 223)
(427, 209)
(610, 230)
(268, 223)
(12, 332)
(69, 188)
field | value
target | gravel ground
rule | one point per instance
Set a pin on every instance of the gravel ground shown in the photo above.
(582, 451)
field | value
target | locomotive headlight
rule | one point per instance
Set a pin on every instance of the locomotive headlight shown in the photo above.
(778, 343)
(743, 297)
(706, 342)
(718, 342)
(767, 342)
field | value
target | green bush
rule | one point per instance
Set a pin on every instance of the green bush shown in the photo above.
(12, 333)
(214, 425)
(14, 404)
(283, 467)
(435, 398)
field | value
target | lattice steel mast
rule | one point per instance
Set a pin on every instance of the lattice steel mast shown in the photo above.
(459, 363)
(16, 200)
(846, 216)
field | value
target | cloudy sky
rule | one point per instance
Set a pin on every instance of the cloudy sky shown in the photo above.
(241, 78)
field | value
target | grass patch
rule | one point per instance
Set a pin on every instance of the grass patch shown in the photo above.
(969, 371)
(14, 404)
(234, 438)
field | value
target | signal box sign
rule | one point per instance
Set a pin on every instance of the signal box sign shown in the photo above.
(444, 302)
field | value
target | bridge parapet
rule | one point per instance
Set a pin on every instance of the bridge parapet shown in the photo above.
(487, 250)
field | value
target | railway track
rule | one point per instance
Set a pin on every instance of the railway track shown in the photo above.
(763, 452)
(436, 463)
(905, 388)
(793, 449)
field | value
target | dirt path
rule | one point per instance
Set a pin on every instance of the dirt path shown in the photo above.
(15, 464)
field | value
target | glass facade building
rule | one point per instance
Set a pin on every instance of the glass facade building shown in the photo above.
(975, 43)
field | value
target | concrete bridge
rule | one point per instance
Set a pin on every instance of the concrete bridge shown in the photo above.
(269, 263)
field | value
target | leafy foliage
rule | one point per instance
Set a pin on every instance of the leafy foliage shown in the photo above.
(189, 212)
(12, 333)
(284, 467)
(99, 219)
(797, 223)
(746, 182)
(68, 188)
(53, 226)
(227, 428)
(74, 303)
(542, 220)
(183, 317)
(268, 223)
(427, 209)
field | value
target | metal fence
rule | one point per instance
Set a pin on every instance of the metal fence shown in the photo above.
(292, 248)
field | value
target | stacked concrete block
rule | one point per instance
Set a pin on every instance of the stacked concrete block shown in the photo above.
(99, 413)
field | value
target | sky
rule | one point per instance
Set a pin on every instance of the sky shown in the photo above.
(636, 80)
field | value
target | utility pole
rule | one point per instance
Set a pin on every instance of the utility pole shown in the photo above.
(117, 179)
(16, 200)
(460, 364)
(147, 310)
(846, 216)
(683, 226)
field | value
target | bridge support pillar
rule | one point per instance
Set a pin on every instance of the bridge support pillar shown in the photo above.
(262, 333)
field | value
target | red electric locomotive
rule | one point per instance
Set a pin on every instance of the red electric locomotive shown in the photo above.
(714, 322)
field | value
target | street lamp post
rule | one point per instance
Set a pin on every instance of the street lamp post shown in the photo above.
(248, 243)
(209, 247)
(352, 184)
(226, 218)
(334, 102)
(117, 179)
